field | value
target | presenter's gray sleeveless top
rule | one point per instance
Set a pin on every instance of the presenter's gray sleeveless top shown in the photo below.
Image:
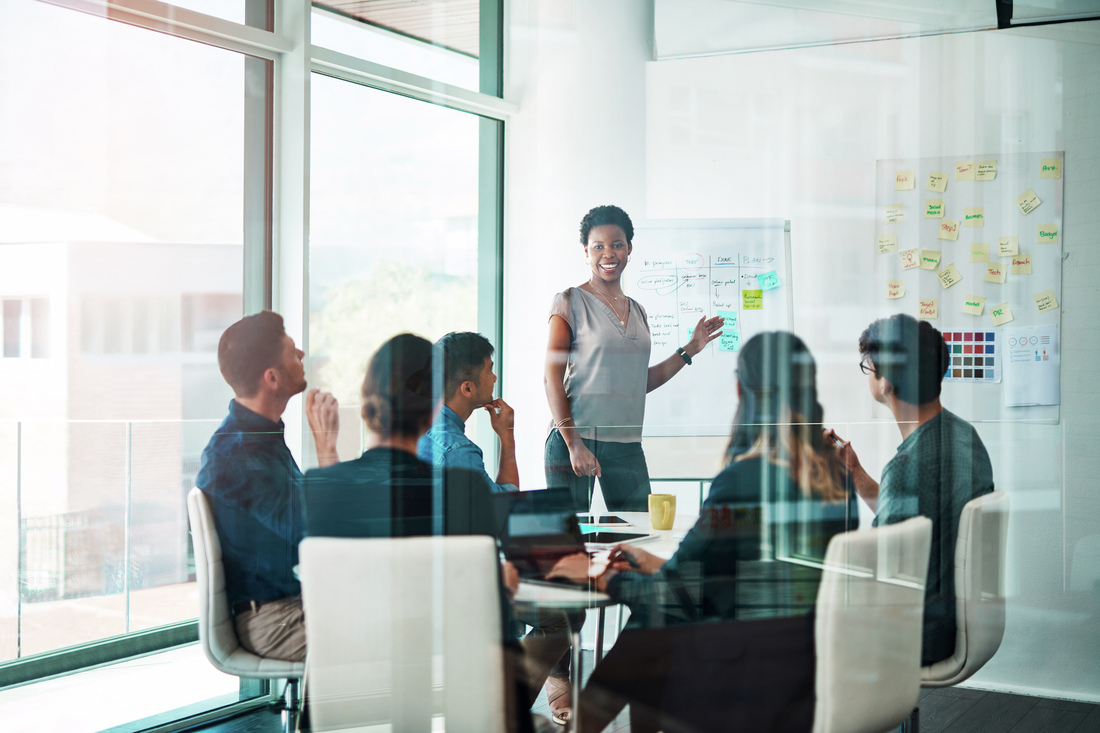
(608, 366)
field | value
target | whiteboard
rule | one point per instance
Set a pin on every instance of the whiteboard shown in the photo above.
(1001, 217)
(683, 269)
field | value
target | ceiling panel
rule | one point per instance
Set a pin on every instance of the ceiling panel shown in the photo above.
(453, 24)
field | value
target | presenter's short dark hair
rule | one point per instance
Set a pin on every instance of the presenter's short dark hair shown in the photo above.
(910, 354)
(397, 389)
(601, 215)
(248, 348)
(463, 354)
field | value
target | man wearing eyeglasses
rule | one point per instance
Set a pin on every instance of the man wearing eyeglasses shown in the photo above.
(940, 465)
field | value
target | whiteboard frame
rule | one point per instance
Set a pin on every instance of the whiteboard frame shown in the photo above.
(643, 225)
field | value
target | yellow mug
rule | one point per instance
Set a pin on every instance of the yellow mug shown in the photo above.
(662, 510)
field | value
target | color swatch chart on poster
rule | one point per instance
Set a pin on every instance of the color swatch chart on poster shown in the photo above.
(974, 355)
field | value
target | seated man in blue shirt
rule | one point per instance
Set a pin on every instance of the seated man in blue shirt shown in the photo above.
(254, 485)
(940, 465)
(468, 382)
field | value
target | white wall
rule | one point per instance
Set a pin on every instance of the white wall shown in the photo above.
(796, 134)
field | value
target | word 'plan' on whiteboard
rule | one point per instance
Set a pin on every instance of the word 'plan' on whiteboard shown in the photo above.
(684, 270)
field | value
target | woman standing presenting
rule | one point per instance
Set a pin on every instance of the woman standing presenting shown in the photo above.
(598, 373)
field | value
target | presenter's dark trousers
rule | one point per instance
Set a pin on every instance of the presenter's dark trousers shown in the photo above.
(624, 475)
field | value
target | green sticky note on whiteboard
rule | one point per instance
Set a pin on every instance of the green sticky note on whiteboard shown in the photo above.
(752, 300)
(730, 340)
(768, 280)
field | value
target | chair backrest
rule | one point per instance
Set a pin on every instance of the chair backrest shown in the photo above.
(401, 629)
(867, 630)
(979, 590)
(216, 631)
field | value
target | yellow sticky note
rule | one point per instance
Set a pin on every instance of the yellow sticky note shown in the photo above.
(887, 243)
(936, 182)
(964, 170)
(1021, 264)
(974, 216)
(949, 230)
(1045, 301)
(1047, 234)
(929, 259)
(1001, 314)
(979, 252)
(1028, 201)
(987, 170)
(895, 289)
(752, 300)
(995, 273)
(1050, 168)
(905, 180)
(973, 304)
(1008, 246)
(949, 276)
(933, 208)
(929, 308)
(910, 258)
(894, 213)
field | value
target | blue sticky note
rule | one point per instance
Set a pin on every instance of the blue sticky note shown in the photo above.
(730, 340)
(768, 280)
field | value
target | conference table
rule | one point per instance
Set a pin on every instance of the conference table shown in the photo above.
(541, 596)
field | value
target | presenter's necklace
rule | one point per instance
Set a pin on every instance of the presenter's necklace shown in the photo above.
(622, 321)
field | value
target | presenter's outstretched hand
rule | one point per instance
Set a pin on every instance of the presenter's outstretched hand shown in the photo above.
(706, 330)
(583, 460)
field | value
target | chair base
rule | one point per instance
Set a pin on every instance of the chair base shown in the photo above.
(912, 723)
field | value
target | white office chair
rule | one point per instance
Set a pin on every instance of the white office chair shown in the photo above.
(979, 593)
(217, 633)
(402, 630)
(868, 624)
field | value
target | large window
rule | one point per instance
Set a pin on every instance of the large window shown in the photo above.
(393, 227)
(147, 200)
(121, 253)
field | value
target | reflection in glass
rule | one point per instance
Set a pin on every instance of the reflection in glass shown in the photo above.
(393, 227)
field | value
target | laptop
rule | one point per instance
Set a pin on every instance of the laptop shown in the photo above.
(540, 528)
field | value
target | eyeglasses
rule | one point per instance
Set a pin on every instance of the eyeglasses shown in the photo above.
(866, 366)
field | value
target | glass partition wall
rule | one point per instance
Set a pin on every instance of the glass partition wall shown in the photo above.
(144, 209)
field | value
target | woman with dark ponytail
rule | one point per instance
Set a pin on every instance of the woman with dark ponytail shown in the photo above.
(754, 555)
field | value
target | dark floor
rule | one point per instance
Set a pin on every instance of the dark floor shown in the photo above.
(950, 710)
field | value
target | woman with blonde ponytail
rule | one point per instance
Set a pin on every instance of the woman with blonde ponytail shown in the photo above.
(721, 634)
